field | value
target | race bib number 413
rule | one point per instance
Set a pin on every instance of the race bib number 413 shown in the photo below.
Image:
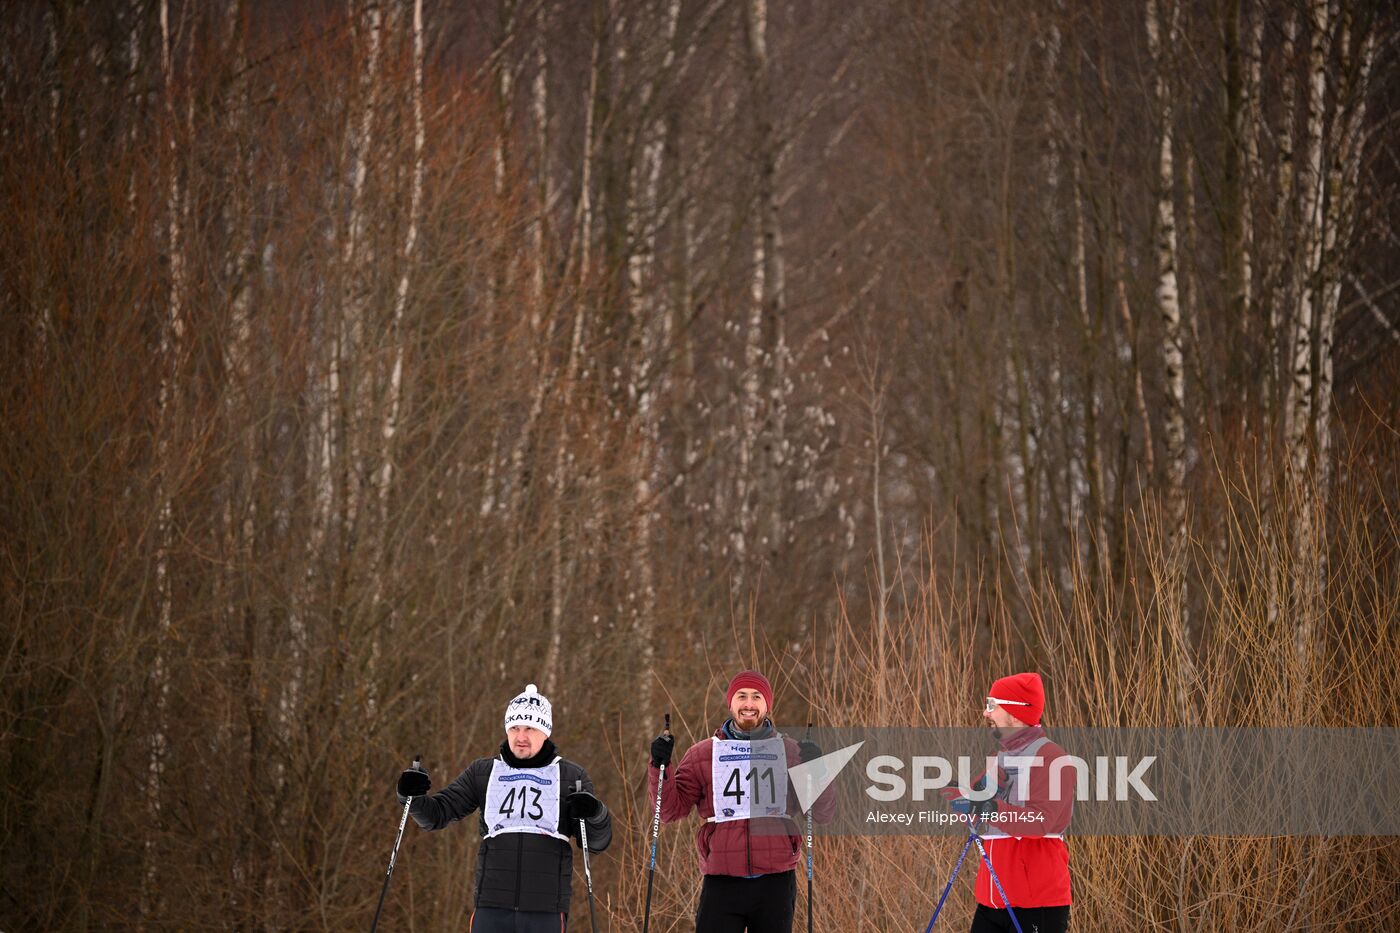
(523, 800)
(750, 779)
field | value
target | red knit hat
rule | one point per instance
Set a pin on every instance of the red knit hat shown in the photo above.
(1021, 689)
(751, 680)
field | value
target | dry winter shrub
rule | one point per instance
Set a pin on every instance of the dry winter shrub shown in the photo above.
(1106, 662)
(1108, 668)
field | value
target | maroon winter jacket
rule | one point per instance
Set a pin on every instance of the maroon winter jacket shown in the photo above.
(742, 848)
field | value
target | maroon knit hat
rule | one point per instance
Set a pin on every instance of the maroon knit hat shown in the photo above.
(751, 680)
(1021, 689)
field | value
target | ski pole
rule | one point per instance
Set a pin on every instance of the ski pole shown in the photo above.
(587, 873)
(951, 878)
(393, 856)
(655, 831)
(810, 805)
(996, 881)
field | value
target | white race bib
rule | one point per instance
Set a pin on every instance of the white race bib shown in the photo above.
(749, 779)
(523, 800)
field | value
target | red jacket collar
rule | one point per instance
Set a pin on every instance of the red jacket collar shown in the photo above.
(1020, 738)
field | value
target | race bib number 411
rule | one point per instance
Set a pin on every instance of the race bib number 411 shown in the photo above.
(750, 779)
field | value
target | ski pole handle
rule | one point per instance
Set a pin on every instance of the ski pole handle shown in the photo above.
(394, 855)
(583, 842)
(655, 832)
(656, 812)
(587, 872)
(403, 820)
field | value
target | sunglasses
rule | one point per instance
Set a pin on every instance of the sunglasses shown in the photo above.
(993, 703)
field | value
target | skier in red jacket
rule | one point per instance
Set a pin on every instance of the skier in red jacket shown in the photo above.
(1025, 821)
(737, 781)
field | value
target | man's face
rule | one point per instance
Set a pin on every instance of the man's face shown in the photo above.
(525, 741)
(748, 708)
(1000, 720)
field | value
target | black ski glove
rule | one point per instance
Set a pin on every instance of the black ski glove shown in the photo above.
(661, 748)
(808, 750)
(581, 805)
(414, 783)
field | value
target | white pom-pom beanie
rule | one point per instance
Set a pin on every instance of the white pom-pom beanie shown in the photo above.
(530, 708)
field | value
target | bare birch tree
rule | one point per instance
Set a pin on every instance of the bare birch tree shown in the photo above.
(1298, 404)
(764, 383)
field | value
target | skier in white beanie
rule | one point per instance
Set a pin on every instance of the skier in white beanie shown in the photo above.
(531, 801)
(530, 708)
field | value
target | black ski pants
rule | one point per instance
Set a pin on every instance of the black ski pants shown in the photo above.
(759, 905)
(1032, 920)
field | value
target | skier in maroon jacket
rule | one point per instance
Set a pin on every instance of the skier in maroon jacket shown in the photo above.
(737, 781)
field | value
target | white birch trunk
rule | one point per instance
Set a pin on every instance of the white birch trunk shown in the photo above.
(1343, 182)
(1281, 281)
(539, 105)
(1249, 166)
(1298, 406)
(1241, 157)
(56, 88)
(399, 338)
(562, 565)
(497, 489)
(1298, 411)
(1280, 275)
(1058, 136)
(762, 441)
(415, 203)
(354, 386)
(1093, 452)
(648, 321)
(1168, 296)
(1125, 316)
(1176, 610)
(515, 475)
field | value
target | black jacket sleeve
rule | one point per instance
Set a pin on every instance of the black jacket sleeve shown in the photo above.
(600, 826)
(456, 800)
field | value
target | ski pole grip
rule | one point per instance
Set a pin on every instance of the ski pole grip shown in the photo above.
(418, 762)
(666, 731)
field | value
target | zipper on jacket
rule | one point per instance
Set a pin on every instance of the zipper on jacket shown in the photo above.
(990, 863)
(519, 867)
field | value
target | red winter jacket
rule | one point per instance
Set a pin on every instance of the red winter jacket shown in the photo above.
(738, 847)
(1025, 840)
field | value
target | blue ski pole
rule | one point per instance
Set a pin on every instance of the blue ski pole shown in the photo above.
(951, 878)
(996, 881)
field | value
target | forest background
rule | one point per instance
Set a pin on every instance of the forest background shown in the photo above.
(362, 361)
